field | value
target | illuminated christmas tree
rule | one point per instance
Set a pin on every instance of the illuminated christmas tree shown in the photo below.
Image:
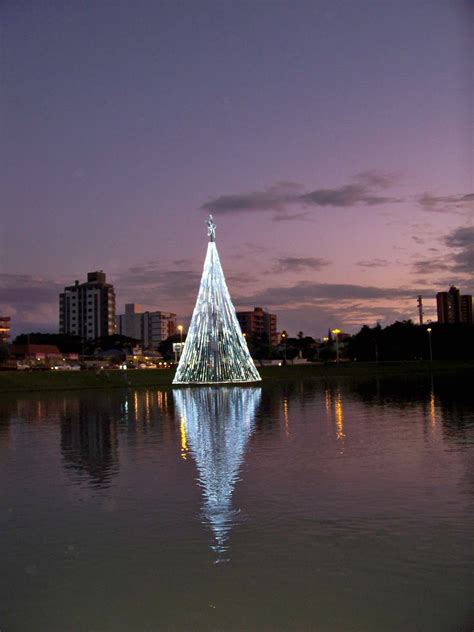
(215, 350)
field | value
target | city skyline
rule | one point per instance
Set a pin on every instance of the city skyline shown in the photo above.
(329, 140)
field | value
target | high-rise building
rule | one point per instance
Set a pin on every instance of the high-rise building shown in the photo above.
(88, 309)
(466, 309)
(4, 329)
(156, 327)
(258, 324)
(150, 328)
(130, 323)
(453, 307)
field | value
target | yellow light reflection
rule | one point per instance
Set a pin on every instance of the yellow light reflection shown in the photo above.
(327, 400)
(147, 406)
(286, 416)
(135, 405)
(432, 409)
(184, 441)
(339, 415)
(162, 400)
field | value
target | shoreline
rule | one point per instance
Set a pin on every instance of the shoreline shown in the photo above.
(40, 381)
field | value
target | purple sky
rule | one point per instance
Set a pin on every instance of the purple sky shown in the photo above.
(331, 139)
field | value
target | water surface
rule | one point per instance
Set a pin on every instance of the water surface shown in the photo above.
(338, 505)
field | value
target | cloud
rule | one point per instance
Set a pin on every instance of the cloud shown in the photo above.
(233, 280)
(32, 302)
(348, 195)
(25, 289)
(364, 190)
(373, 263)
(156, 285)
(446, 203)
(430, 266)
(246, 251)
(298, 264)
(459, 258)
(182, 262)
(306, 293)
(274, 198)
(462, 239)
(377, 178)
(289, 217)
(281, 196)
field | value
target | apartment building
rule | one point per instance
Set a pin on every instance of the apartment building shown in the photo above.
(259, 323)
(150, 328)
(88, 309)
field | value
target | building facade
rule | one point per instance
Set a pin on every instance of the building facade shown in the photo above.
(150, 328)
(466, 309)
(129, 324)
(88, 309)
(259, 324)
(453, 307)
(4, 329)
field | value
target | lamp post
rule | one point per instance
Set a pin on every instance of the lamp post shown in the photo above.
(336, 332)
(284, 336)
(429, 340)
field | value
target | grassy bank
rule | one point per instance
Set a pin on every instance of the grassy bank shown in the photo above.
(25, 381)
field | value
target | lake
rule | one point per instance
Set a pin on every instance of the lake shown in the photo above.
(331, 505)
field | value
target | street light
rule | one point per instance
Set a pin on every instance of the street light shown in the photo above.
(284, 336)
(429, 339)
(336, 332)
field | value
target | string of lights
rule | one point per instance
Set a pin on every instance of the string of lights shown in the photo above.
(215, 350)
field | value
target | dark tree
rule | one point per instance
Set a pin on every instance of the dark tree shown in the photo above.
(64, 342)
(166, 346)
(4, 353)
(407, 341)
(259, 346)
(116, 341)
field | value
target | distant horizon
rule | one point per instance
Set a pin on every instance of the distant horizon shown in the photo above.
(186, 320)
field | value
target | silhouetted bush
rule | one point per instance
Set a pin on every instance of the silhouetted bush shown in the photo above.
(407, 341)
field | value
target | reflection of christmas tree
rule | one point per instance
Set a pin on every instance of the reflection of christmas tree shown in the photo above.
(215, 350)
(218, 424)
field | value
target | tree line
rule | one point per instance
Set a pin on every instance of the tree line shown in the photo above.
(399, 341)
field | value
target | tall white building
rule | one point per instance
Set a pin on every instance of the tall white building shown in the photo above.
(88, 309)
(150, 328)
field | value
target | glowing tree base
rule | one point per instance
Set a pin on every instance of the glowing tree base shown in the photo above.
(215, 351)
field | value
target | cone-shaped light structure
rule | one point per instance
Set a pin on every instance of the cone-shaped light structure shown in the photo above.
(215, 350)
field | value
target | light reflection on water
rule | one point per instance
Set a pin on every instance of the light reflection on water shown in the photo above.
(117, 504)
(217, 424)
